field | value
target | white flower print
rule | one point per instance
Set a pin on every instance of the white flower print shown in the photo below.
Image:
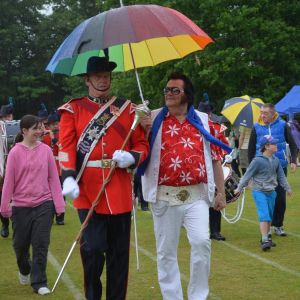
(201, 169)
(173, 130)
(175, 163)
(185, 177)
(187, 143)
(213, 154)
(163, 146)
(200, 136)
(163, 179)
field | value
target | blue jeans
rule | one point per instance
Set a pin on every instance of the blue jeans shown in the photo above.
(265, 202)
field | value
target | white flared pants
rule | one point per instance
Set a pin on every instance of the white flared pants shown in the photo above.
(167, 224)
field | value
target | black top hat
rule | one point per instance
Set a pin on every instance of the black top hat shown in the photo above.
(53, 117)
(6, 110)
(97, 64)
(205, 107)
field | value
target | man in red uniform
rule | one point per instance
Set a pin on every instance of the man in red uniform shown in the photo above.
(51, 139)
(92, 130)
(218, 131)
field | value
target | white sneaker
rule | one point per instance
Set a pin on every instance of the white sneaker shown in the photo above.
(43, 291)
(279, 231)
(24, 279)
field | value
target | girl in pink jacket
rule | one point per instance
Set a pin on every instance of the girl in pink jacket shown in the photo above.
(31, 195)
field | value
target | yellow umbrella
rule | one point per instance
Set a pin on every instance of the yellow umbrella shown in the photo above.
(242, 111)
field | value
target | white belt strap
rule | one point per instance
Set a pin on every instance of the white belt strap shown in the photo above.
(182, 194)
(103, 163)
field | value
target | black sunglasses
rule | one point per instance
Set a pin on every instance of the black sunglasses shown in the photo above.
(173, 90)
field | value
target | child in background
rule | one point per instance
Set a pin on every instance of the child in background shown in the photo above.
(266, 172)
(31, 194)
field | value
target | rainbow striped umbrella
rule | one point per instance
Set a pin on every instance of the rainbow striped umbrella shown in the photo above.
(151, 34)
(242, 111)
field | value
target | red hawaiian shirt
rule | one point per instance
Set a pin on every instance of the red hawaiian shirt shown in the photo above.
(182, 154)
(218, 130)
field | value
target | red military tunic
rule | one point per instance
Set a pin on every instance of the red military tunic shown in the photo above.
(54, 146)
(75, 116)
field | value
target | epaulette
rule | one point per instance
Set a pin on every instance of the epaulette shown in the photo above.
(67, 106)
(132, 108)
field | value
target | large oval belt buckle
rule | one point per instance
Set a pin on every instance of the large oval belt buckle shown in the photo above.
(183, 195)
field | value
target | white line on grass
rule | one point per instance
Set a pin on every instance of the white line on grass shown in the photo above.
(256, 223)
(65, 278)
(262, 259)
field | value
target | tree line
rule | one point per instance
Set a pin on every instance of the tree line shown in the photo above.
(256, 51)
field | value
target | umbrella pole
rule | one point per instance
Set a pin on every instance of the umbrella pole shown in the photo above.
(137, 76)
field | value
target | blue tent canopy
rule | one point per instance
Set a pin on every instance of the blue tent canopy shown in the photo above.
(290, 103)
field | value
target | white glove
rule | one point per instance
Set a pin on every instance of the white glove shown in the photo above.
(123, 158)
(70, 188)
(228, 159)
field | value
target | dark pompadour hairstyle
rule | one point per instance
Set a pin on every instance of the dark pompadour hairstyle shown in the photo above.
(188, 86)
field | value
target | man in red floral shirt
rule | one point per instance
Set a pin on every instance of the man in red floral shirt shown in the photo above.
(180, 177)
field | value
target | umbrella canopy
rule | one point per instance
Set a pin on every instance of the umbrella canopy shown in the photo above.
(242, 111)
(153, 33)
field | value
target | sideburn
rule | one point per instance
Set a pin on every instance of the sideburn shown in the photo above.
(184, 99)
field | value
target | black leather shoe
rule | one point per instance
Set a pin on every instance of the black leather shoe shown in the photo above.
(4, 232)
(217, 236)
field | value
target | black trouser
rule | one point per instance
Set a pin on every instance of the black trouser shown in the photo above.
(280, 205)
(4, 221)
(106, 237)
(235, 167)
(137, 189)
(214, 220)
(32, 226)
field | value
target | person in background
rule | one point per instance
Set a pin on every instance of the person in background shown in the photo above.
(266, 172)
(51, 139)
(243, 147)
(234, 144)
(271, 124)
(179, 180)
(6, 114)
(92, 131)
(138, 192)
(31, 193)
(218, 130)
(43, 115)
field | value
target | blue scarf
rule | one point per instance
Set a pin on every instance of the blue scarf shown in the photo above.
(192, 118)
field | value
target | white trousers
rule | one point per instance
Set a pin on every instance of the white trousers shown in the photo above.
(167, 224)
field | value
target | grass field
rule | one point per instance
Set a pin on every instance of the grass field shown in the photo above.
(239, 269)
